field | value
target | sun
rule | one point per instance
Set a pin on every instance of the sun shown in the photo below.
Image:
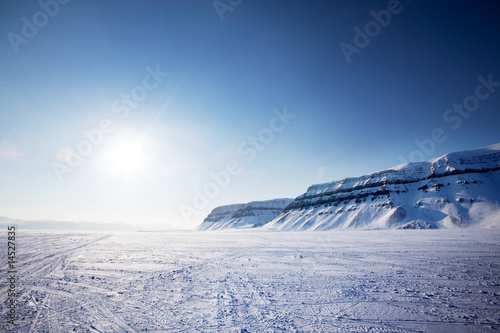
(127, 158)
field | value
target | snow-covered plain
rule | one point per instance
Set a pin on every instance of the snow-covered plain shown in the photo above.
(244, 281)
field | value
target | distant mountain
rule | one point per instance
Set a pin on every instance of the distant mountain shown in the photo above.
(250, 215)
(52, 225)
(457, 189)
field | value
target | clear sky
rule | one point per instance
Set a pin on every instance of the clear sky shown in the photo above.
(128, 110)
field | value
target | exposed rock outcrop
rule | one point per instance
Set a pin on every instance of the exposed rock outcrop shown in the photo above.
(457, 189)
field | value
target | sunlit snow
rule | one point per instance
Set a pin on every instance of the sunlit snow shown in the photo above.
(343, 281)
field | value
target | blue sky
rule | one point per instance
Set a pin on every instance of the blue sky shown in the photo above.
(227, 81)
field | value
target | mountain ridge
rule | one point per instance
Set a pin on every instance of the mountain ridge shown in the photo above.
(247, 215)
(407, 195)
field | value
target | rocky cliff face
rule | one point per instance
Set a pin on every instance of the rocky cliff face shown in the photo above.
(458, 189)
(250, 215)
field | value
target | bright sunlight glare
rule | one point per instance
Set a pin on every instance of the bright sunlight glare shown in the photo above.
(126, 159)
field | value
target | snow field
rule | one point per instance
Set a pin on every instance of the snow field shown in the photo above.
(244, 281)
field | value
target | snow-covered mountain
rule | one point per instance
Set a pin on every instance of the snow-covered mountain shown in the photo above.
(457, 189)
(250, 215)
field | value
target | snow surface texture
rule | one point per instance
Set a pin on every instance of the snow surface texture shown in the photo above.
(457, 189)
(250, 215)
(249, 281)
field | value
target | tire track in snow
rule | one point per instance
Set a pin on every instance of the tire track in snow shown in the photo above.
(52, 317)
(96, 311)
(49, 262)
(41, 270)
(239, 298)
